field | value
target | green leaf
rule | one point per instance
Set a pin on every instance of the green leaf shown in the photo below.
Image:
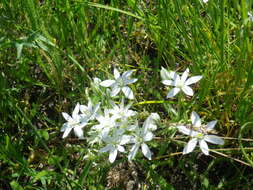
(114, 9)
(40, 175)
(16, 186)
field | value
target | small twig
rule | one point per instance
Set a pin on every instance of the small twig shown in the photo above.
(169, 155)
(232, 138)
(227, 138)
(215, 151)
(230, 149)
(235, 159)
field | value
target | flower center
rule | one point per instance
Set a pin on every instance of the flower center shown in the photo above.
(74, 123)
(180, 84)
(120, 82)
(199, 136)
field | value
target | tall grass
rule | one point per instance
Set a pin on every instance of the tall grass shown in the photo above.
(51, 50)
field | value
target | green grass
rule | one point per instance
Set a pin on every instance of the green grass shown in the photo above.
(50, 51)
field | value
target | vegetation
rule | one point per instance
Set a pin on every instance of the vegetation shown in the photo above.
(52, 50)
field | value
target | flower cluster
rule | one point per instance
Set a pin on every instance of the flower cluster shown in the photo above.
(114, 127)
(197, 132)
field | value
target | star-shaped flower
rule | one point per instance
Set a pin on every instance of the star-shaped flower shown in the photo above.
(120, 83)
(143, 135)
(89, 112)
(75, 122)
(179, 83)
(121, 111)
(106, 122)
(199, 135)
(250, 16)
(114, 144)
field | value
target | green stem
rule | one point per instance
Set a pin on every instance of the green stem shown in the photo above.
(222, 32)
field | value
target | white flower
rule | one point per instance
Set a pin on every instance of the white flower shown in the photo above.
(199, 135)
(106, 122)
(75, 122)
(120, 83)
(150, 122)
(205, 1)
(143, 135)
(167, 75)
(250, 16)
(96, 83)
(114, 144)
(180, 83)
(89, 112)
(121, 111)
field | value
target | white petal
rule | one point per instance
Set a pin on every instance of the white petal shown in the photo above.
(66, 116)
(148, 136)
(214, 139)
(90, 105)
(127, 74)
(128, 92)
(184, 75)
(155, 116)
(97, 106)
(187, 131)
(97, 127)
(167, 74)
(196, 121)
(115, 91)
(193, 80)
(173, 92)
(64, 127)
(150, 126)
(130, 81)
(116, 73)
(106, 148)
(210, 125)
(190, 146)
(125, 139)
(66, 132)
(76, 110)
(204, 147)
(96, 80)
(84, 109)
(130, 113)
(133, 151)
(177, 79)
(107, 83)
(168, 82)
(188, 90)
(146, 151)
(113, 155)
(78, 132)
(121, 148)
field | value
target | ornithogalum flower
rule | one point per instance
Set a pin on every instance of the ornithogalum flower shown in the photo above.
(120, 83)
(179, 83)
(89, 112)
(250, 16)
(75, 122)
(143, 135)
(115, 143)
(121, 111)
(106, 122)
(199, 134)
